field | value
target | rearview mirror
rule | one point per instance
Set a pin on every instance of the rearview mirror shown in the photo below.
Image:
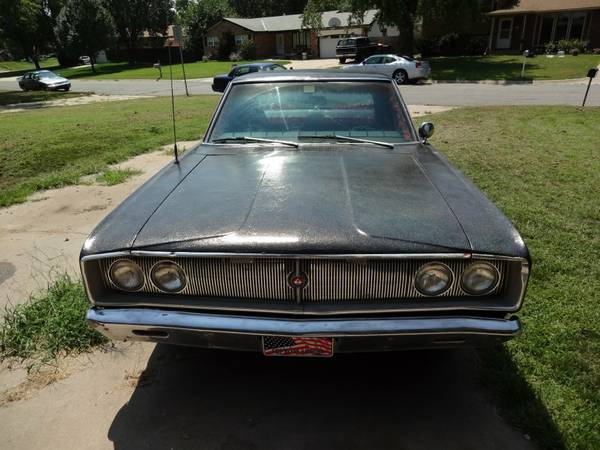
(426, 131)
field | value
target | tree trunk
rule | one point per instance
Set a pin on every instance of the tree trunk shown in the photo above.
(406, 37)
(36, 62)
(92, 62)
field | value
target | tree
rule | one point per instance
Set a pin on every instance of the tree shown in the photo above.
(27, 25)
(84, 27)
(400, 13)
(197, 17)
(132, 17)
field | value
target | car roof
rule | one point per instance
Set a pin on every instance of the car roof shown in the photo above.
(258, 64)
(309, 75)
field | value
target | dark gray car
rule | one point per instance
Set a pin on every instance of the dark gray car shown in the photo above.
(43, 80)
(312, 219)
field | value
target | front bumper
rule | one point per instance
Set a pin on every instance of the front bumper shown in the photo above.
(350, 335)
(58, 87)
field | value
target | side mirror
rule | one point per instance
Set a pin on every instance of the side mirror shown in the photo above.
(426, 131)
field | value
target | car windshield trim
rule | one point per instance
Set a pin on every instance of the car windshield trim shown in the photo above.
(253, 139)
(346, 138)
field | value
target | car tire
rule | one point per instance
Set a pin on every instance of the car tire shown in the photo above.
(400, 76)
(67, 89)
(342, 60)
(23, 89)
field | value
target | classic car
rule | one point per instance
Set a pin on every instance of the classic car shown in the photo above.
(43, 80)
(401, 68)
(220, 82)
(312, 219)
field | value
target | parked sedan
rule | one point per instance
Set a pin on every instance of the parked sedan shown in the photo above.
(312, 219)
(43, 80)
(220, 82)
(401, 68)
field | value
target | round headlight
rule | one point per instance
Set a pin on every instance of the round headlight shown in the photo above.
(126, 275)
(480, 278)
(168, 276)
(433, 279)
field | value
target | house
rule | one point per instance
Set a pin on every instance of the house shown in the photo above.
(285, 36)
(533, 23)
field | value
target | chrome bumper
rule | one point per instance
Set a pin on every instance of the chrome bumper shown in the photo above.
(244, 333)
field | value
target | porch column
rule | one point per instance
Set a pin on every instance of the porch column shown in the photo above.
(490, 40)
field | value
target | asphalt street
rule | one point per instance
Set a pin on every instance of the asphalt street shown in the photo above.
(447, 94)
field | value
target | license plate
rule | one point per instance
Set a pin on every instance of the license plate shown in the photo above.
(297, 346)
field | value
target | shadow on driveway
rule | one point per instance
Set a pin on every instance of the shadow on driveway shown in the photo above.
(194, 398)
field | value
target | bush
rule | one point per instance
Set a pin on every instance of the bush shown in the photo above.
(476, 45)
(449, 44)
(596, 51)
(248, 49)
(235, 56)
(452, 44)
(426, 47)
(567, 45)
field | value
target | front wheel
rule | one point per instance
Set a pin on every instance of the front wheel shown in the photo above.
(400, 76)
(342, 60)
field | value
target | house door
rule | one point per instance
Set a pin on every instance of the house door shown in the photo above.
(504, 33)
(280, 43)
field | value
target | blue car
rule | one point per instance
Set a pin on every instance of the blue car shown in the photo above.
(220, 82)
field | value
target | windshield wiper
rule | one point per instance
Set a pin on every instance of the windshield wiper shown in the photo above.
(255, 139)
(347, 138)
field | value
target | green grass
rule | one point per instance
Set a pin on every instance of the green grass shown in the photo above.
(508, 67)
(49, 324)
(123, 71)
(541, 166)
(18, 66)
(45, 149)
(15, 97)
(111, 177)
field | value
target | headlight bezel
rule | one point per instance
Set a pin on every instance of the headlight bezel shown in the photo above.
(120, 286)
(488, 290)
(159, 286)
(429, 265)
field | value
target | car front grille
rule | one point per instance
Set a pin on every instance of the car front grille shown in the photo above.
(329, 280)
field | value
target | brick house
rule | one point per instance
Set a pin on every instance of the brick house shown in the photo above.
(285, 36)
(533, 23)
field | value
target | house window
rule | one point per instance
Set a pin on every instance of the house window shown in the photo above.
(300, 39)
(563, 26)
(212, 41)
(240, 39)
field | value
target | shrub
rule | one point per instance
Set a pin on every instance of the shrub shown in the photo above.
(426, 47)
(596, 51)
(567, 45)
(248, 49)
(449, 44)
(235, 56)
(475, 45)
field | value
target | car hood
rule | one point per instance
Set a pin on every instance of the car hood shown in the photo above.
(53, 80)
(310, 201)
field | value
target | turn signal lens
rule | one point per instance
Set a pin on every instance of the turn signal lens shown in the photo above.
(433, 279)
(168, 276)
(480, 278)
(126, 275)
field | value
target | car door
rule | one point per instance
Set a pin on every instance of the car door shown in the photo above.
(372, 64)
(25, 80)
(389, 65)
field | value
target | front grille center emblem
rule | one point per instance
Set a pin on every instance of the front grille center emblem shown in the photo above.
(297, 280)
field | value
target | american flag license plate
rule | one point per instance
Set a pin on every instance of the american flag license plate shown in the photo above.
(297, 346)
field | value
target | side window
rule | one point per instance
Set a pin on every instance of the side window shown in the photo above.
(274, 68)
(373, 60)
(242, 71)
(388, 60)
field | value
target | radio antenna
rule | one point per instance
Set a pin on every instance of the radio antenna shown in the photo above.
(169, 43)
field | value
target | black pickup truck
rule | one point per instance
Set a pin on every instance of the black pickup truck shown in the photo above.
(358, 48)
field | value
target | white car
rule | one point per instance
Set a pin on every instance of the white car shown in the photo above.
(401, 68)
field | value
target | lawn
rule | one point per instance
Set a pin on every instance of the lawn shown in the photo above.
(508, 67)
(73, 141)
(541, 166)
(14, 97)
(17, 66)
(123, 71)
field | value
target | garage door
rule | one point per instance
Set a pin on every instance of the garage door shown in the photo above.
(327, 46)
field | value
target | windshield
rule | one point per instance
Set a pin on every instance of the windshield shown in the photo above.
(47, 74)
(307, 110)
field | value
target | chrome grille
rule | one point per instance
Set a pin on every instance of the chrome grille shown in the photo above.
(329, 280)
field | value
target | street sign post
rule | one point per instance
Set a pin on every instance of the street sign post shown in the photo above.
(591, 75)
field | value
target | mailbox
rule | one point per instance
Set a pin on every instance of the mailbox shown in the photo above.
(592, 73)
